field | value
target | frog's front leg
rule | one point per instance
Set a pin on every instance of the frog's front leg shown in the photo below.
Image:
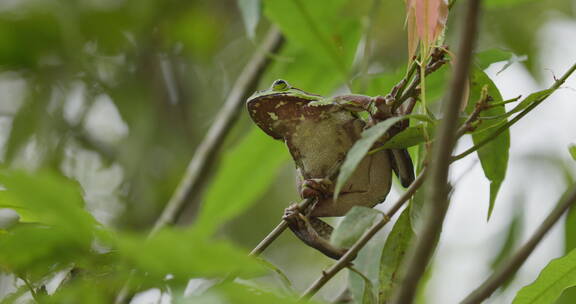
(312, 231)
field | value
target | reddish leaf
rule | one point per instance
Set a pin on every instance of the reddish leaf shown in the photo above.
(425, 20)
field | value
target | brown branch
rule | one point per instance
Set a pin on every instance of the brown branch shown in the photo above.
(345, 260)
(481, 105)
(503, 273)
(436, 61)
(204, 154)
(438, 188)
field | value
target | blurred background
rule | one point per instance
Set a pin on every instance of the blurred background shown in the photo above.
(118, 94)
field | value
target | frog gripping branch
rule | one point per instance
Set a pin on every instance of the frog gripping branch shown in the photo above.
(319, 132)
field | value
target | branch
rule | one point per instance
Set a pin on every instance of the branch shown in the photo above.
(481, 105)
(275, 233)
(353, 251)
(436, 61)
(437, 189)
(204, 154)
(516, 118)
(503, 273)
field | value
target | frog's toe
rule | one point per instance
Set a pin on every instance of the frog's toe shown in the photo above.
(291, 213)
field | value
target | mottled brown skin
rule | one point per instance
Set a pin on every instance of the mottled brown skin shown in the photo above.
(318, 137)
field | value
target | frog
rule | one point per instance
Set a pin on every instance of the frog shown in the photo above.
(318, 132)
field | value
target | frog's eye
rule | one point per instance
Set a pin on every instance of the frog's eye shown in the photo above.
(280, 85)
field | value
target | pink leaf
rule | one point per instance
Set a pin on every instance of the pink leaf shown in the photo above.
(426, 20)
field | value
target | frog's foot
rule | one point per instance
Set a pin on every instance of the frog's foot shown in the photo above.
(312, 231)
(316, 187)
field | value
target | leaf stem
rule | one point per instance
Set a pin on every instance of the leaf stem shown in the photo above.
(512, 265)
(501, 103)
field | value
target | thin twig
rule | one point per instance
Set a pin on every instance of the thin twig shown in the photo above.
(507, 101)
(503, 273)
(436, 61)
(480, 106)
(345, 260)
(275, 233)
(516, 118)
(438, 188)
(205, 152)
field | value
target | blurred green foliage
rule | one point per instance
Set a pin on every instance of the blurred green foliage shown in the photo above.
(104, 102)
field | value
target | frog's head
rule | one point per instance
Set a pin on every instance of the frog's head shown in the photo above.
(279, 107)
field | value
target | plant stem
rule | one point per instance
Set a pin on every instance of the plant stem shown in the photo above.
(503, 273)
(275, 233)
(501, 103)
(516, 118)
(345, 260)
(438, 188)
(204, 154)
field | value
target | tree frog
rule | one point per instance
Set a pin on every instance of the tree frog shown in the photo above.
(318, 132)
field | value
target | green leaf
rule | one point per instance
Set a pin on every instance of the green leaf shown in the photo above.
(410, 137)
(245, 173)
(393, 255)
(38, 249)
(568, 296)
(494, 155)
(324, 28)
(55, 230)
(47, 198)
(184, 254)
(368, 296)
(570, 230)
(359, 150)
(281, 275)
(353, 226)
(572, 150)
(557, 276)
(250, 10)
(362, 286)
